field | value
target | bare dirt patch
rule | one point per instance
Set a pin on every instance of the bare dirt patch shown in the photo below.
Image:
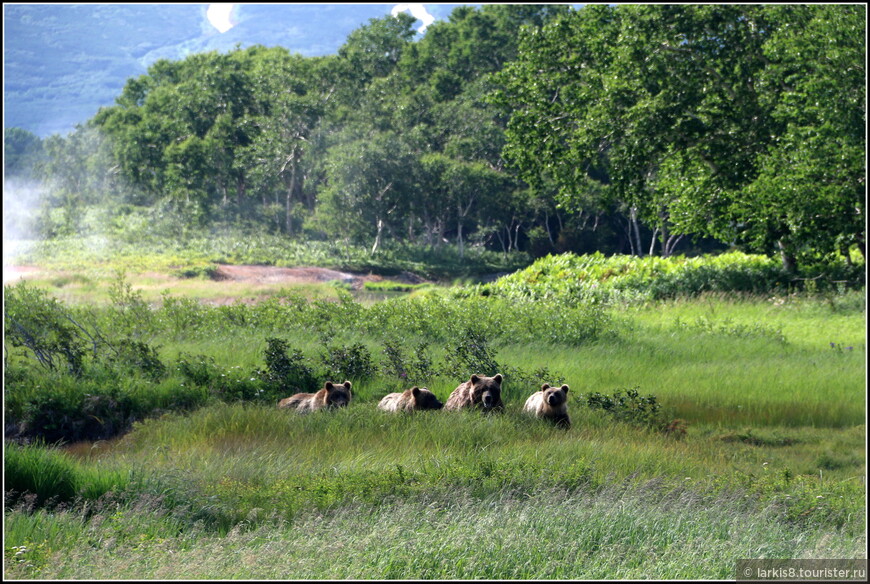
(15, 273)
(305, 275)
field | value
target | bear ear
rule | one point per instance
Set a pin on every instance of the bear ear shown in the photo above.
(565, 388)
(475, 379)
(347, 385)
(545, 386)
(329, 386)
(498, 378)
(415, 390)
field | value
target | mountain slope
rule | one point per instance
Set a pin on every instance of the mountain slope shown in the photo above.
(63, 62)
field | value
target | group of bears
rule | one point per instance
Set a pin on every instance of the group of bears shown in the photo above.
(550, 403)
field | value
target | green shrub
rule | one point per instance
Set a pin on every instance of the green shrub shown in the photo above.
(470, 355)
(140, 356)
(416, 370)
(595, 278)
(628, 406)
(197, 369)
(287, 373)
(45, 327)
(349, 362)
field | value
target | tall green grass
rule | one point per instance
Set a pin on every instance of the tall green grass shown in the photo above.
(213, 481)
(53, 477)
(799, 362)
(241, 458)
(647, 531)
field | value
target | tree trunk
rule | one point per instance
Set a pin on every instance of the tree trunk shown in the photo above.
(547, 225)
(378, 236)
(652, 243)
(789, 261)
(501, 241)
(634, 233)
(289, 201)
(672, 242)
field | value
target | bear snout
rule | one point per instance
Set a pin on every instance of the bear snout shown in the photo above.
(339, 402)
(555, 399)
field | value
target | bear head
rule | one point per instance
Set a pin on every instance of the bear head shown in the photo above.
(337, 395)
(486, 391)
(555, 396)
(425, 399)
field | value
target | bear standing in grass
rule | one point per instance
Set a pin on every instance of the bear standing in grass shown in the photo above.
(410, 400)
(332, 395)
(478, 392)
(551, 403)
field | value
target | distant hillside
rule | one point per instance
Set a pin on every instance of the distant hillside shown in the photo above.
(63, 62)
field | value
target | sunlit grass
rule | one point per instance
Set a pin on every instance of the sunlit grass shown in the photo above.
(647, 531)
(95, 290)
(717, 378)
(773, 463)
(803, 320)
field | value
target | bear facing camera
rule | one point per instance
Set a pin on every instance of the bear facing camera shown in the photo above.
(478, 392)
(333, 395)
(551, 403)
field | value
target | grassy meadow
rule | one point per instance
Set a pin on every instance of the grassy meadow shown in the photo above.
(707, 427)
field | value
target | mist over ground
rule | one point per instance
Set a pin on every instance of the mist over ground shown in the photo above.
(21, 199)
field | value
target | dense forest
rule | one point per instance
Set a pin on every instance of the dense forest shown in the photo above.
(642, 129)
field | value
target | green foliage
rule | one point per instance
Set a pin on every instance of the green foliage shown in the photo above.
(141, 356)
(44, 473)
(470, 355)
(629, 406)
(533, 128)
(389, 286)
(197, 369)
(353, 362)
(287, 373)
(43, 326)
(210, 465)
(23, 153)
(599, 279)
(709, 120)
(147, 248)
(417, 369)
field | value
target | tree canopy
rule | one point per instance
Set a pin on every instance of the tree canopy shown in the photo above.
(744, 123)
(625, 128)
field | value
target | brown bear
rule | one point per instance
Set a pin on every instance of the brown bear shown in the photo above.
(332, 395)
(551, 404)
(478, 392)
(416, 398)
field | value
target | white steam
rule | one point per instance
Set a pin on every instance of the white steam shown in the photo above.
(418, 11)
(220, 16)
(20, 208)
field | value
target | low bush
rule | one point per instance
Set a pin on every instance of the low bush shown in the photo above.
(629, 406)
(597, 278)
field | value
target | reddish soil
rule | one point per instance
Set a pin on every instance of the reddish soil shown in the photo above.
(15, 273)
(275, 275)
(264, 275)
